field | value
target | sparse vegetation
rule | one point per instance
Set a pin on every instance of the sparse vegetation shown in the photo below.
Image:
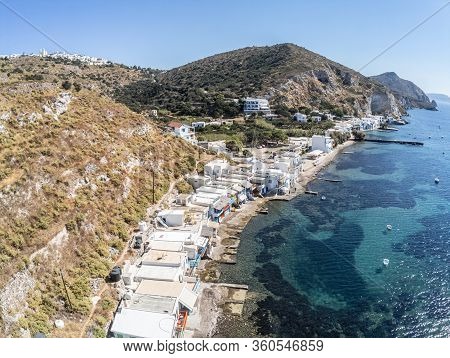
(50, 180)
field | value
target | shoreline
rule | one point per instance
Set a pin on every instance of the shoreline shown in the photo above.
(226, 244)
(236, 221)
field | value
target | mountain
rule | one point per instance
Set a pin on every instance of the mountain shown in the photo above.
(290, 76)
(75, 178)
(409, 94)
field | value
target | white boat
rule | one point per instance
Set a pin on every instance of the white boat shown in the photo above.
(385, 262)
(436, 180)
(389, 226)
(323, 197)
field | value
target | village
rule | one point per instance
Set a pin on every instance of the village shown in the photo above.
(159, 285)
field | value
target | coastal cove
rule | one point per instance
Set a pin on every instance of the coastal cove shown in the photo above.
(315, 267)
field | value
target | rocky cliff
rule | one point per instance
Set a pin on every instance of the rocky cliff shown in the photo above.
(407, 93)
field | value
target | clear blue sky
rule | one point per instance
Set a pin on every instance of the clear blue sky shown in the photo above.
(166, 34)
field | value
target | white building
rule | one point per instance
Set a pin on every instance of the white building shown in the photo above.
(199, 124)
(323, 143)
(183, 131)
(255, 105)
(300, 117)
(171, 217)
(216, 168)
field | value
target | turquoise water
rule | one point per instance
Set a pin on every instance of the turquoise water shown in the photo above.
(316, 267)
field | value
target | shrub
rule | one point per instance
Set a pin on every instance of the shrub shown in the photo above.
(66, 85)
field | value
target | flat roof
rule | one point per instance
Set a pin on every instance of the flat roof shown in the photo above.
(166, 245)
(143, 324)
(223, 202)
(204, 201)
(213, 196)
(180, 236)
(171, 212)
(160, 288)
(163, 273)
(212, 190)
(149, 303)
(158, 257)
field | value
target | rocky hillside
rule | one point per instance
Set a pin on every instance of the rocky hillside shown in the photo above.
(75, 178)
(409, 95)
(291, 76)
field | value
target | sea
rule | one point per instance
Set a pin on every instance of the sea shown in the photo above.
(315, 267)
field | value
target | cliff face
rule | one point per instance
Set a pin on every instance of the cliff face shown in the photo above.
(332, 87)
(407, 93)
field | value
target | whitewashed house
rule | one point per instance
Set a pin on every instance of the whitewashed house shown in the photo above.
(322, 143)
(216, 168)
(183, 131)
(199, 124)
(300, 117)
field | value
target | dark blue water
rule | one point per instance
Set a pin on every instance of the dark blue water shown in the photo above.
(316, 267)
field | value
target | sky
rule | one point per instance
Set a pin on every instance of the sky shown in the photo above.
(166, 34)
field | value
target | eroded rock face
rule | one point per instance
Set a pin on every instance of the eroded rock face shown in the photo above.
(338, 89)
(384, 103)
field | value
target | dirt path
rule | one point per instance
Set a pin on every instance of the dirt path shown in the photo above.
(121, 258)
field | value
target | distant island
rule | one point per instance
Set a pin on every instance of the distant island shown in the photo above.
(439, 97)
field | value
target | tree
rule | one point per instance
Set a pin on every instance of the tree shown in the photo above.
(66, 85)
(339, 137)
(233, 145)
(358, 135)
(77, 86)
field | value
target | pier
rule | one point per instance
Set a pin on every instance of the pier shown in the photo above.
(331, 180)
(311, 192)
(390, 141)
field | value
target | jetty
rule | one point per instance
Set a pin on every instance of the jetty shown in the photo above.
(311, 192)
(331, 180)
(389, 141)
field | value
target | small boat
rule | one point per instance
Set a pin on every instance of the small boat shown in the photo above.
(323, 197)
(389, 226)
(264, 211)
(386, 262)
(436, 180)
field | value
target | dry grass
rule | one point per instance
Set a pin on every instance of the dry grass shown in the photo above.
(54, 177)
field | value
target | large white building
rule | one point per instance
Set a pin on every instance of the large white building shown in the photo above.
(321, 142)
(255, 105)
